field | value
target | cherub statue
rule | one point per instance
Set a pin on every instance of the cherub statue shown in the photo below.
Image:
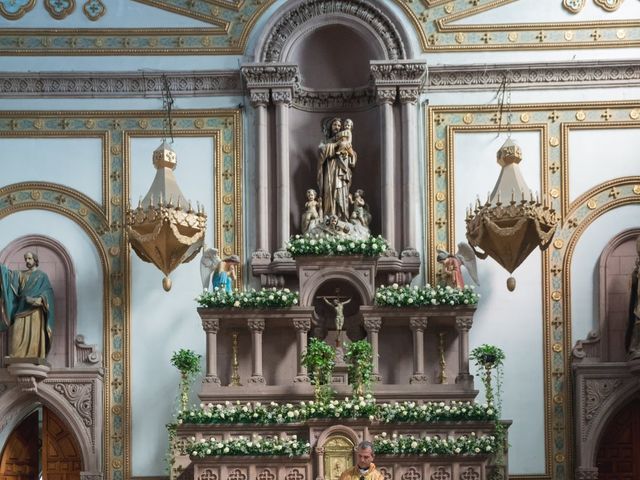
(310, 215)
(208, 264)
(452, 265)
(360, 211)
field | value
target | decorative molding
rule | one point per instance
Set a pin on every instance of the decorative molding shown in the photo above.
(333, 100)
(268, 75)
(281, 96)
(94, 9)
(596, 391)
(81, 396)
(117, 84)
(292, 20)
(535, 75)
(15, 9)
(398, 73)
(60, 9)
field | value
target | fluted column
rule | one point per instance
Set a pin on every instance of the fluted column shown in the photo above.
(411, 200)
(463, 325)
(372, 326)
(302, 326)
(260, 100)
(418, 325)
(282, 99)
(256, 325)
(386, 97)
(211, 327)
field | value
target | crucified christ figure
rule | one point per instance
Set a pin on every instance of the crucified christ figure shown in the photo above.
(338, 306)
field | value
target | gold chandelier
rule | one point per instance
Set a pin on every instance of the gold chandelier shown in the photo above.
(164, 229)
(511, 223)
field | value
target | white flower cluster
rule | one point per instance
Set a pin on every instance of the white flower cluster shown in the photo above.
(427, 296)
(300, 245)
(471, 444)
(264, 298)
(241, 445)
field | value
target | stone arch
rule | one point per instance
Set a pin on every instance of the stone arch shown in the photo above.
(297, 18)
(354, 277)
(16, 404)
(326, 436)
(68, 306)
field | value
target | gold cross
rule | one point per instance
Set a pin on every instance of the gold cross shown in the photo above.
(60, 199)
(614, 193)
(486, 38)
(227, 225)
(116, 382)
(116, 175)
(541, 37)
(596, 35)
(440, 171)
(496, 118)
(554, 167)
(439, 119)
(11, 198)
(227, 174)
(441, 222)
(556, 270)
(573, 222)
(553, 116)
(557, 322)
(606, 116)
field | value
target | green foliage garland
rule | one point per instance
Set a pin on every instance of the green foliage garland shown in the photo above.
(427, 296)
(320, 360)
(488, 358)
(264, 298)
(359, 357)
(315, 245)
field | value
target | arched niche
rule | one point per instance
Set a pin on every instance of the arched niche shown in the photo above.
(56, 262)
(616, 265)
(344, 291)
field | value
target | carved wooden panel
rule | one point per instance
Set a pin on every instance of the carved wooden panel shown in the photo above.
(19, 459)
(619, 452)
(61, 459)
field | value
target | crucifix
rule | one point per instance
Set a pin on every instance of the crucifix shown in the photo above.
(334, 301)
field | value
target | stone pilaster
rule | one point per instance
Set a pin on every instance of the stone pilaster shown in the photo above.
(282, 99)
(256, 325)
(463, 325)
(418, 325)
(372, 326)
(211, 328)
(302, 326)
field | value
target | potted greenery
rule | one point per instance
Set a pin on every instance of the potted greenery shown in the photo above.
(320, 360)
(188, 364)
(489, 358)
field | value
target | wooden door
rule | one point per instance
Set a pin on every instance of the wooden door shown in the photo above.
(619, 451)
(19, 459)
(61, 459)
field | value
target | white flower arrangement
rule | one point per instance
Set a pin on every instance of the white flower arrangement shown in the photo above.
(427, 296)
(471, 444)
(264, 298)
(300, 245)
(256, 445)
(360, 407)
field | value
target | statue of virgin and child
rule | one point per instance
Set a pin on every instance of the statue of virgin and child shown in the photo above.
(333, 209)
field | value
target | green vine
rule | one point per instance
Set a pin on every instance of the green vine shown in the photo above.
(359, 357)
(320, 360)
(490, 358)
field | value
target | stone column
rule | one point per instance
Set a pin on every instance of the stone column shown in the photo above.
(302, 326)
(282, 98)
(372, 326)
(411, 197)
(463, 325)
(386, 97)
(260, 100)
(418, 325)
(256, 325)
(211, 327)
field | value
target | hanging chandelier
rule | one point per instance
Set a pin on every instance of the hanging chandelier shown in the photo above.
(511, 223)
(164, 229)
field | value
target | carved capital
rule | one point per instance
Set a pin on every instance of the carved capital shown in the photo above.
(256, 324)
(409, 95)
(211, 325)
(386, 95)
(268, 75)
(259, 98)
(282, 96)
(418, 378)
(372, 324)
(214, 379)
(261, 255)
(90, 476)
(399, 72)
(587, 473)
(418, 323)
(85, 353)
(301, 324)
(301, 379)
(464, 323)
(257, 380)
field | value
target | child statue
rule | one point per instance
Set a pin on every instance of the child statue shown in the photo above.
(310, 215)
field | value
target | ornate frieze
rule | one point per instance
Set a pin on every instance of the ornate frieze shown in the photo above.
(307, 11)
(112, 84)
(332, 100)
(403, 72)
(535, 75)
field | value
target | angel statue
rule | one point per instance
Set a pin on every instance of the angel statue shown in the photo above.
(452, 265)
(208, 264)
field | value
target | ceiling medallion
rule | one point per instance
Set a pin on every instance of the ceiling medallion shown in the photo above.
(94, 9)
(59, 9)
(15, 9)
(573, 6)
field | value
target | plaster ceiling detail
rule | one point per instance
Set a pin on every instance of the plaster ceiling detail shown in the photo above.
(448, 25)
(227, 24)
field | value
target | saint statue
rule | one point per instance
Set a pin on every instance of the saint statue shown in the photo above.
(26, 309)
(632, 340)
(225, 273)
(335, 163)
